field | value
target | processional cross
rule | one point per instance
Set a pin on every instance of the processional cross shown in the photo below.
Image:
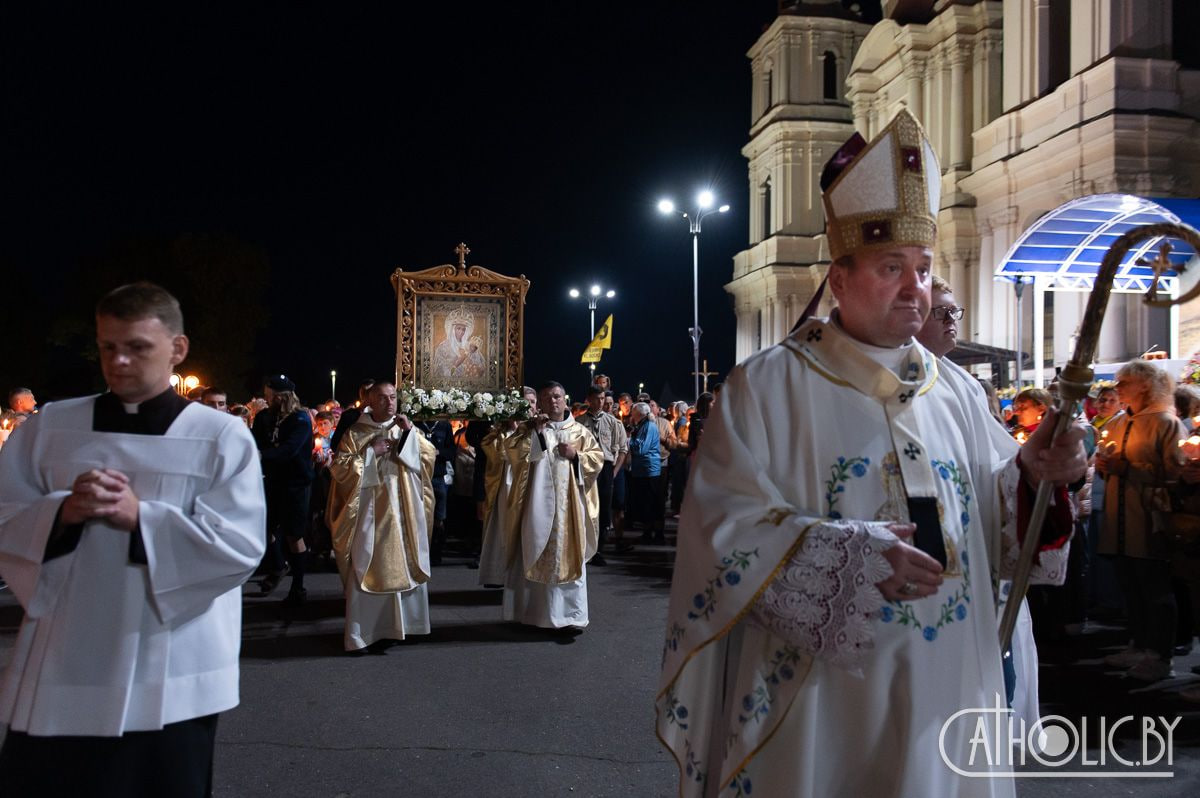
(463, 251)
(1161, 264)
(705, 374)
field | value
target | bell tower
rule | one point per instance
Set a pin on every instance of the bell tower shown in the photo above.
(799, 117)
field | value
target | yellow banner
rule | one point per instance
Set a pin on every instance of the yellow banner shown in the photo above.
(602, 341)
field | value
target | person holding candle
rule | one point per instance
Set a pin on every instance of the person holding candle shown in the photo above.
(1103, 593)
(1141, 456)
(1029, 407)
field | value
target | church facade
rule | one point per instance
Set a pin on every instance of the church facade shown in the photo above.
(1030, 104)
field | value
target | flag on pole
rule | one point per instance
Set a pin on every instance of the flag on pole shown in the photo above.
(603, 340)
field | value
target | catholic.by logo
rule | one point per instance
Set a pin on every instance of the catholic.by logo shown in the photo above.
(989, 742)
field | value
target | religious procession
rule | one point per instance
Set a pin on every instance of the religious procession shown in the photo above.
(879, 557)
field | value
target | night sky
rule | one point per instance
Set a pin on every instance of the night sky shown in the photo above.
(346, 142)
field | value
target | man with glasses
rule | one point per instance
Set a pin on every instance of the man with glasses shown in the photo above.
(940, 333)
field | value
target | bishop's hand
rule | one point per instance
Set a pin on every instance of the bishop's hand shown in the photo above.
(915, 574)
(403, 422)
(381, 446)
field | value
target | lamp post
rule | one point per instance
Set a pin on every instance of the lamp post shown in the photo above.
(594, 294)
(333, 385)
(704, 207)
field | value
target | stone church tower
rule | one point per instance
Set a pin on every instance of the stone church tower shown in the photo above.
(800, 115)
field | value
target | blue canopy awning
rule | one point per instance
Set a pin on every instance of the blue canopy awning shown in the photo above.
(1065, 247)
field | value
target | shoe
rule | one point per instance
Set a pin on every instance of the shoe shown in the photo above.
(1152, 668)
(296, 597)
(474, 564)
(269, 583)
(1196, 669)
(598, 559)
(1192, 694)
(1126, 658)
(1183, 649)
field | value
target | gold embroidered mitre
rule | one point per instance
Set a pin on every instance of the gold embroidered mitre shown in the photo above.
(887, 195)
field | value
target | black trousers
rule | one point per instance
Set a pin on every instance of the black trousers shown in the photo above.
(287, 518)
(176, 761)
(604, 489)
(1150, 602)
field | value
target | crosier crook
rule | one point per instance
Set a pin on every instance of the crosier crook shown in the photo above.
(1076, 379)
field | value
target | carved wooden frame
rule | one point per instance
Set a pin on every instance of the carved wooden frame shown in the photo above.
(447, 282)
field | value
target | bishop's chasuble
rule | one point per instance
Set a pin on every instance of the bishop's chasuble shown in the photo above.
(552, 515)
(380, 513)
(785, 671)
(112, 640)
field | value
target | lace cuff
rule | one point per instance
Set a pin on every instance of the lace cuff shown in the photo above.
(825, 596)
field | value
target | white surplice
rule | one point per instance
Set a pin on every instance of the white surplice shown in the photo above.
(812, 448)
(109, 646)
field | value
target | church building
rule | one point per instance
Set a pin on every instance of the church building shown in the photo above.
(1059, 124)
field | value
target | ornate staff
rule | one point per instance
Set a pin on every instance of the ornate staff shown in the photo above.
(1076, 379)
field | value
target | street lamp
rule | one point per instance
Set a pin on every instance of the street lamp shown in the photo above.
(704, 207)
(333, 385)
(190, 383)
(594, 294)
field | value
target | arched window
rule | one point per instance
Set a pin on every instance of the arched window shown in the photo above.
(831, 77)
(767, 229)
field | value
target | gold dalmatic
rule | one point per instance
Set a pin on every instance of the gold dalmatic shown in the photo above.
(399, 487)
(553, 503)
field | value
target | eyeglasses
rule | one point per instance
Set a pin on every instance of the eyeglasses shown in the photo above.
(942, 312)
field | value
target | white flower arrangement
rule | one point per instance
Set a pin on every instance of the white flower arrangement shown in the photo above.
(419, 403)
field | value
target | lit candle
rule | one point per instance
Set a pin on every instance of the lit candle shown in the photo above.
(1021, 437)
(1191, 447)
(5, 431)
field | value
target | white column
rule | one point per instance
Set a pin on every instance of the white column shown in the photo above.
(1173, 328)
(959, 115)
(1039, 332)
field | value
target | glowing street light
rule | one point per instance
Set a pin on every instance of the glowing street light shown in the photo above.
(594, 295)
(333, 385)
(704, 205)
(190, 382)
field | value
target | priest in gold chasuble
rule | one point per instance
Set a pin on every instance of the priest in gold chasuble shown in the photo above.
(846, 523)
(552, 514)
(381, 514)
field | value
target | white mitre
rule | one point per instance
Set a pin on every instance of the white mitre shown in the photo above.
(888, 195)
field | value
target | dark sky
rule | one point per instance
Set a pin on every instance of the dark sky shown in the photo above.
(348, 141)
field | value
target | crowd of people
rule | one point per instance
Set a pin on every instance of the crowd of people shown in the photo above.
(647, 449)
(850, 515)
